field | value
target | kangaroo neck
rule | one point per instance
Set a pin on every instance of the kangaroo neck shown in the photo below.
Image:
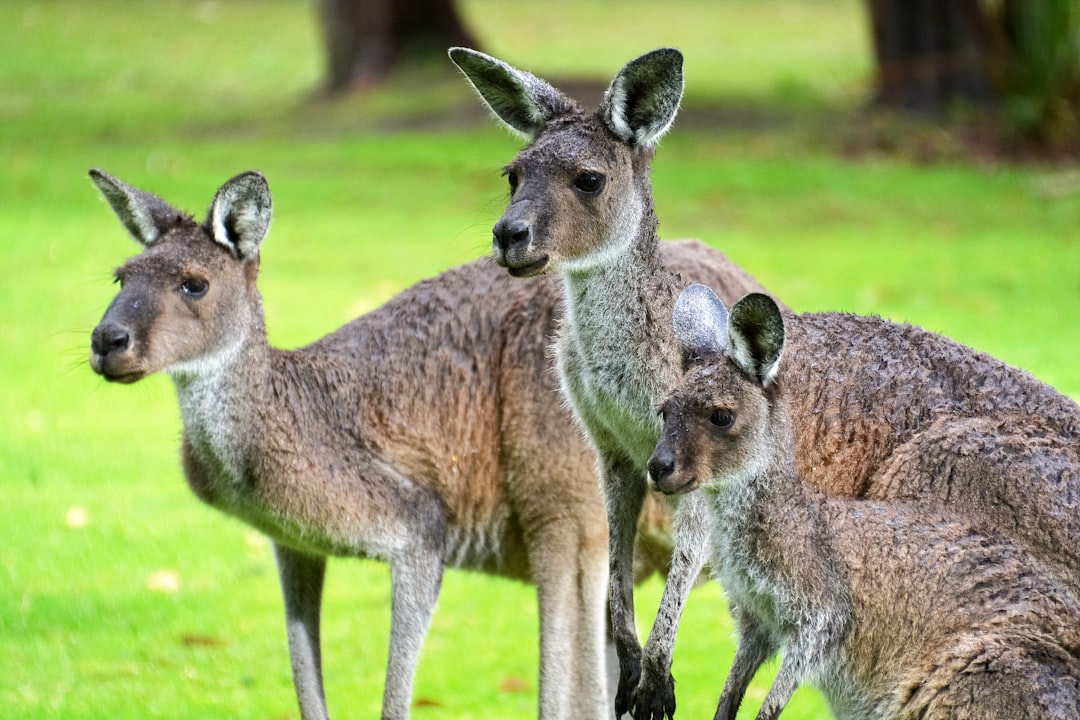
(223, 393)
(766, 499)
(630, 292)
(616, 352)
(757, 523)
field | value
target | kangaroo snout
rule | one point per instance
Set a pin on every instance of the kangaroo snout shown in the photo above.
(511, 234)
(662, 473)
(513, 246)
(661, 465)
(110, 356)
(109, 337)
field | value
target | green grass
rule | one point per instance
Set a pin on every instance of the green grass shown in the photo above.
(177, 96)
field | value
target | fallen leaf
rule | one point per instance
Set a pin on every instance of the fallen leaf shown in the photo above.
(163, 581)
(194, 640)
(514, 685)
(255, 541)
(76, 517)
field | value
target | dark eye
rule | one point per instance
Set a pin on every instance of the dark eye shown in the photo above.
(194, 287)
(512, 178)
(722, 418)
(589, 183)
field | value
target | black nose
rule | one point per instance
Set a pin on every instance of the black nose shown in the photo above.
(661, 467)
(109, 337)
(508, 234)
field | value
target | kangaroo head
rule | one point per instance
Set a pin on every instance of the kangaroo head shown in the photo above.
(580, 191)
(190, 295)
(719, 421)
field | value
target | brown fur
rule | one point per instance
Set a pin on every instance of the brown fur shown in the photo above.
(581, 205)
(878, 404)
(428, 432)
(887, 410)
(893, 608)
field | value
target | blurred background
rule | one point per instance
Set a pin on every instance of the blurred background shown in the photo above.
(915, 159)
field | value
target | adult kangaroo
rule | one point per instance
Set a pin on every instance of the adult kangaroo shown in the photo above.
(892, 608)
(427, 433)
(886, 409)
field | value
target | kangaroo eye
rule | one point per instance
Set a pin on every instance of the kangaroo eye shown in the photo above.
(194, 287)
(589, 183)
(722, 418)
(512, 178)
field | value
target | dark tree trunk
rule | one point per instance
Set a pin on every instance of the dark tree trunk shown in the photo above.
(931, 53)
(366, 38)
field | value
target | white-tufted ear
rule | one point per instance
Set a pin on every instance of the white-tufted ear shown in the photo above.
(144, 215)
(700, 321)
(239, 215)
(756, 337)
(524, 102)
(643, 99)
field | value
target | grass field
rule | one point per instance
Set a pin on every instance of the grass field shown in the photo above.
(121, 596)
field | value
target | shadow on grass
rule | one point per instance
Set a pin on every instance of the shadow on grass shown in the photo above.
(795, 119)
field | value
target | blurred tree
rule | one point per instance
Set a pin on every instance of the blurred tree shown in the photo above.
(930, 53)
(1020, 56)
(366, 38)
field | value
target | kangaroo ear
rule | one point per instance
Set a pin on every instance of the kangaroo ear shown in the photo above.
(145, 216)
(239, 215)
(643, 99)
(756, 332)
(521, 100)
(701, 323)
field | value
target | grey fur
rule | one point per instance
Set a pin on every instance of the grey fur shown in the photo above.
(877, 408)
(616, 352)
(398, 436)
(756, 337)
(239, 215)
(700, 322)
(139, 211)
(641, 103)
(892, 608)
(524, 102)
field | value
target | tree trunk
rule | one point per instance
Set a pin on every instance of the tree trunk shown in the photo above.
(365, 39)
(930, 54)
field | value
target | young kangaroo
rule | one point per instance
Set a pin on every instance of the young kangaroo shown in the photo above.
(893, 609)
(889, 409)
(399, 436)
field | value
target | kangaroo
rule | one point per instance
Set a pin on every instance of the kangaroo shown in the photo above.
(888, 408)
(893, 609)
(397, 437)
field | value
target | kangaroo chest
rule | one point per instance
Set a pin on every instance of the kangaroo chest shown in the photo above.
(615, 364)
(212, 436)
(614, 396)
(222, 439)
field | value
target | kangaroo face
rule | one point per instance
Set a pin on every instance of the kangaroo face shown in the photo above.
(714, 430)
(580, 190)
(178, 304)
(576, 197)
(189, 299)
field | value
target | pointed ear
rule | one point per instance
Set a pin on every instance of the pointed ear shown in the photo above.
(521, 100)
(643, 99)
(239, 215)
(145, 216)
(700, 321)
(756, 336)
